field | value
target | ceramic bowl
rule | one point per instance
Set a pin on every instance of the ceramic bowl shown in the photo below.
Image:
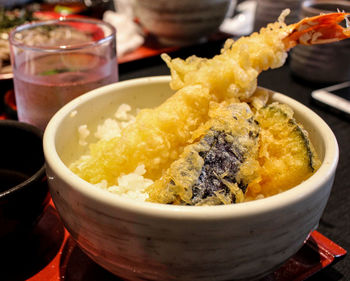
(176, 22)
(24, 193)
(268, 11)
(150, 241)
(326, 63)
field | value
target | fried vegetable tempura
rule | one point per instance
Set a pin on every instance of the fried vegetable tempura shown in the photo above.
(160, 135)
(217, 168)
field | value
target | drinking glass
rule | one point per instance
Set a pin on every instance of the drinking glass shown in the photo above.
(55, 61)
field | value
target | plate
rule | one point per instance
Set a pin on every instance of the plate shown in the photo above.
(6, 76)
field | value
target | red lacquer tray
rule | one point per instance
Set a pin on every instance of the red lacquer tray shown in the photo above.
(50, 254)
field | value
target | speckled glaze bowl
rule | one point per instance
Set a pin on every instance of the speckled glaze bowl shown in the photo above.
(268, 11)
(139, 241)
(326, 63)
(181, 22)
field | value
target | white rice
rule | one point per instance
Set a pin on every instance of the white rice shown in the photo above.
(131, 185)
(83, 134)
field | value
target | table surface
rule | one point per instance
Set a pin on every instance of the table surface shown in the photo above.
(335, 222)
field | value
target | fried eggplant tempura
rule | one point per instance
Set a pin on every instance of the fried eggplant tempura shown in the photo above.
(217, 168)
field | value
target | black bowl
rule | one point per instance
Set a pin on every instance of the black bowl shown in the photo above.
(24, 191)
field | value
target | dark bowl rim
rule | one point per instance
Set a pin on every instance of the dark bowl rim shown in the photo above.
(39, 174)
(311, 6)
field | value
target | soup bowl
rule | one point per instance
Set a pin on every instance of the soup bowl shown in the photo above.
(143, 240)
(24, 193)
(183, 22)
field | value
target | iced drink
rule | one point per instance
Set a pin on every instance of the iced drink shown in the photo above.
(56, 62)
(56, 82)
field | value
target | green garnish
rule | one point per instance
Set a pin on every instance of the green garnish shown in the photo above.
(55, 71)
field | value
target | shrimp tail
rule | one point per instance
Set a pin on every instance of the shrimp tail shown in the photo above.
(320, 29)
